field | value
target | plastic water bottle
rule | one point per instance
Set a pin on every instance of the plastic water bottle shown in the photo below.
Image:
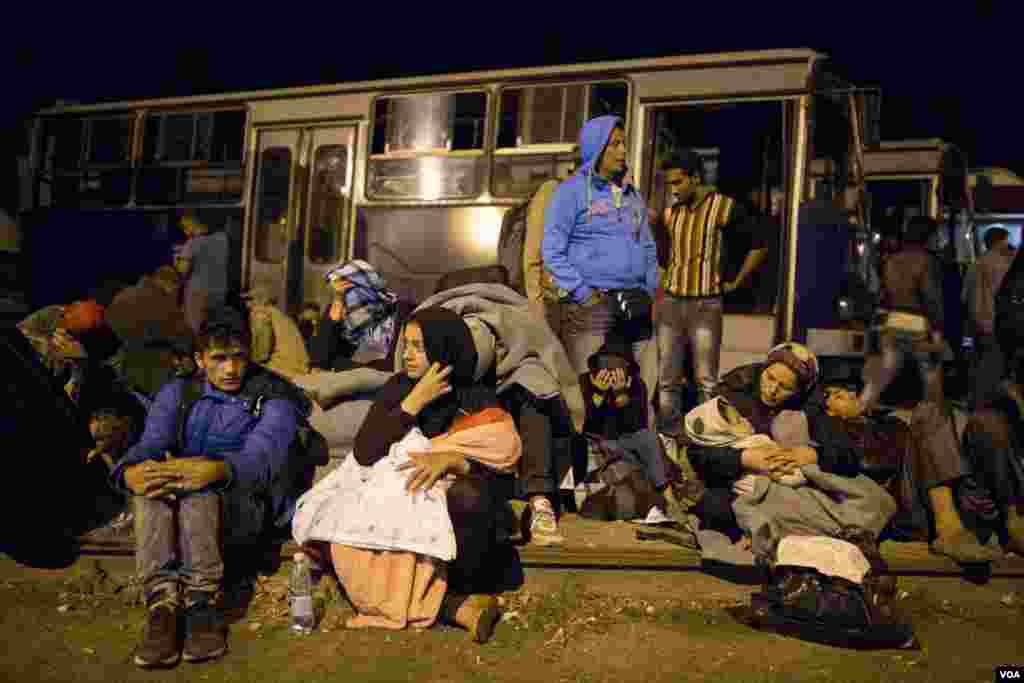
(300, 595)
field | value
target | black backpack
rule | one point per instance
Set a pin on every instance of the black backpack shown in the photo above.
(628, 493)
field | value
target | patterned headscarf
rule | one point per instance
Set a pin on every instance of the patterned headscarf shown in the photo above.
(369, 304)
(798, 358)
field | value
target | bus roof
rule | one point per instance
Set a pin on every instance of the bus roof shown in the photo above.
(748, 58)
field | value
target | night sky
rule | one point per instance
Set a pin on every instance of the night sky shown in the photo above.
(944, 73)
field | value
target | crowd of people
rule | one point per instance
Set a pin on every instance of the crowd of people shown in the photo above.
(211, 423)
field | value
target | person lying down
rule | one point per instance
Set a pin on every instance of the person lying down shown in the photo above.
(717, 423)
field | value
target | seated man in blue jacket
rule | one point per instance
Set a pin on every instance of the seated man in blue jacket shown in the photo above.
(598, 246)
(229, 481)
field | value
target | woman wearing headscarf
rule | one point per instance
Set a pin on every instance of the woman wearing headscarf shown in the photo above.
(474, 449)
(360, 326)
(786, 381)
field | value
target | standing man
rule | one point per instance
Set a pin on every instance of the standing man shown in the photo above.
(600, 252)
(203, 264)
(990, 271)
(690, 315)
(912, 291)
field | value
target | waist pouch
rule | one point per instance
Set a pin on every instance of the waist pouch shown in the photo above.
(633, 309)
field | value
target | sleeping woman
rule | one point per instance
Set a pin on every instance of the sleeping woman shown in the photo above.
(774, 463)
(435, 435)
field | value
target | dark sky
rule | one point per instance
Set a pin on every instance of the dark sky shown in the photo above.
(953, 73)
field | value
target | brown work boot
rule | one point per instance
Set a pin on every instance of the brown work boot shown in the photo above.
(204, 631)
(478, 614)
(159, 646)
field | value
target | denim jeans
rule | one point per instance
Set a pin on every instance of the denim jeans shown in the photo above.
(181, 543)
(644, 447)
(691, 325)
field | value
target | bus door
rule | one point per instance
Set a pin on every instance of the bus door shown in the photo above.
(301, 209)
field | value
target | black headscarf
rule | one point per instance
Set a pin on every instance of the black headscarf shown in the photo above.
(448, 341)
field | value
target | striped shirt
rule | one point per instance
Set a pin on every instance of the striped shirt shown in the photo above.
(696, 245)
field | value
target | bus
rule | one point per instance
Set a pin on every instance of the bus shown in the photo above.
(414, 174)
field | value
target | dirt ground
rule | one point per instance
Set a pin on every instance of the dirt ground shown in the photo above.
(81, 624)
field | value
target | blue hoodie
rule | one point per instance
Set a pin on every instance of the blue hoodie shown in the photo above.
(588, 243)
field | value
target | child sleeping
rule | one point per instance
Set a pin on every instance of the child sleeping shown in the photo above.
(717, 423)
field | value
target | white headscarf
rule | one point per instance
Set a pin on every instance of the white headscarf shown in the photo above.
(705, 426)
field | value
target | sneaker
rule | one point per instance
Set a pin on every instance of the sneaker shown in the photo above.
(159, 646)
(963, 547)
(204, 632)
(654, 517)
(543, 525)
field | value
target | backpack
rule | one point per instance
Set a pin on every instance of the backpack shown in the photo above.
(511, 244)
(627, 493)
(308, 450)
(803, 602)
(512, 248)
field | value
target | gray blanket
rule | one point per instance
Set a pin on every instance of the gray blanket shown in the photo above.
(528, 353)
(330, 388)
(821, 508)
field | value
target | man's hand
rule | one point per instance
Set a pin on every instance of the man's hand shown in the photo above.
(592, 300)
(150, 479)
(100, 454)
(427, 467)
(602, 381)
(67, 346)
(195, 473)
(620, 380)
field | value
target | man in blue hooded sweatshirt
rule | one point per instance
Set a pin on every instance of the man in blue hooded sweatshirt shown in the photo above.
(598, 244)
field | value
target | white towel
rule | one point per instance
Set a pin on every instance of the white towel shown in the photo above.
(368, 507)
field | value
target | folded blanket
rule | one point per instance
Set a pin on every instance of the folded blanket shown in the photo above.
(527, 352)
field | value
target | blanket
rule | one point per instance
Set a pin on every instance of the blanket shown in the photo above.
(528, 353)
(814, 503)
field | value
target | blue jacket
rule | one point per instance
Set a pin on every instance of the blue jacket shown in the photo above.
(589, 243)
(221, 426)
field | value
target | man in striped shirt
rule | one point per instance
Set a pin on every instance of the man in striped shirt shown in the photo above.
(689, 318)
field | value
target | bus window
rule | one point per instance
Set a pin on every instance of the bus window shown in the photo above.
(179, 130)
(545, 115)
(519, 175)
(741, 148)
(110, 141)
(893, 202)
(275, 186)
(63, 144)
(328, 205)
(831, 145)
(215, 137)
(427, 147)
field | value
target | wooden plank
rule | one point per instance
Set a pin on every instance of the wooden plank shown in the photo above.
(904, 559)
